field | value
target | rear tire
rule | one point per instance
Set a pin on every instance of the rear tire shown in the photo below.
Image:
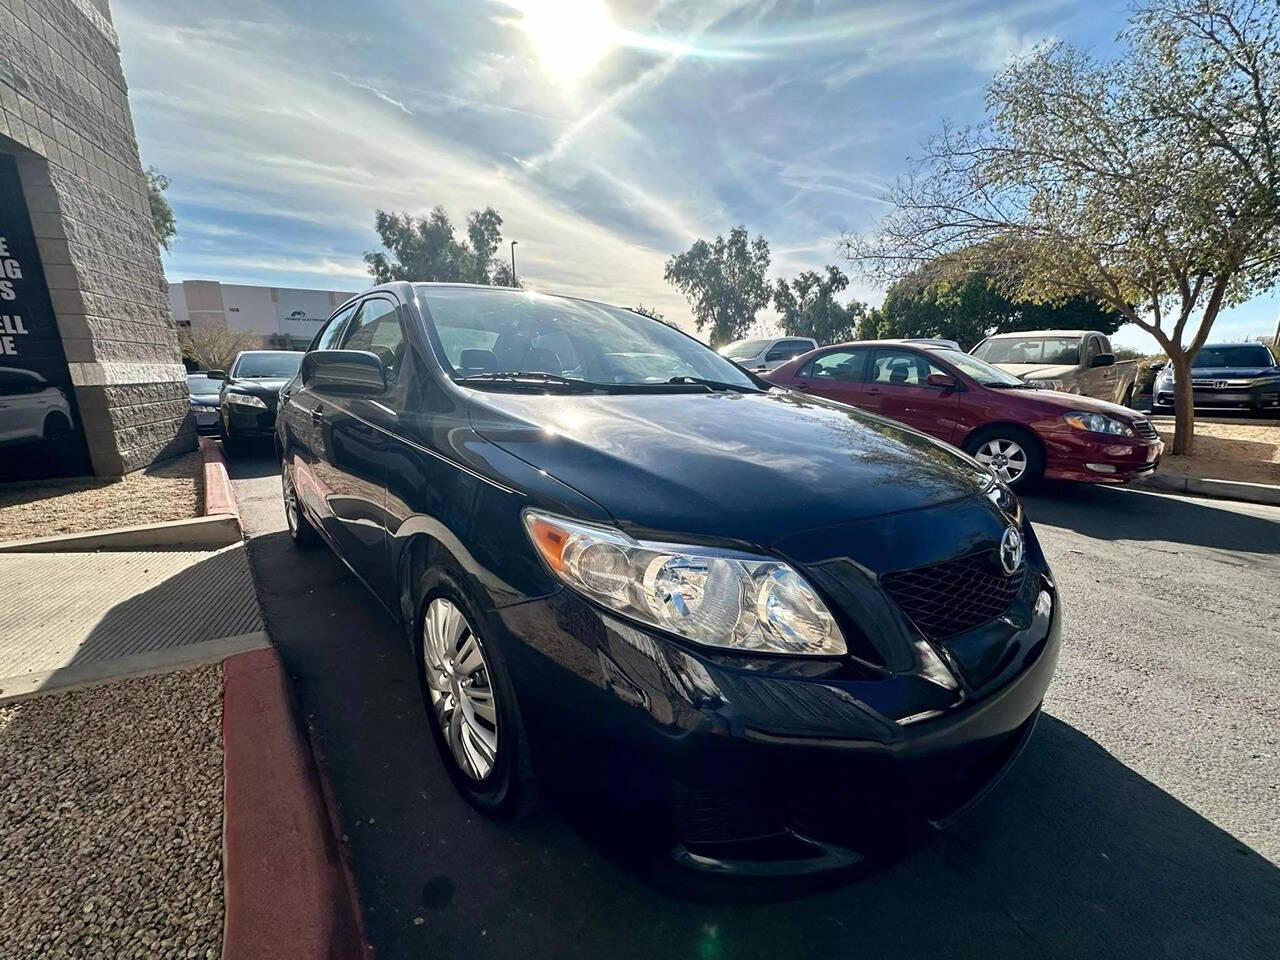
(301, 532)
(56, 426)
(490, 762)
(1013, 454)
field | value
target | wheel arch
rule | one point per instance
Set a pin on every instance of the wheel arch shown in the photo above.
(1020, 428)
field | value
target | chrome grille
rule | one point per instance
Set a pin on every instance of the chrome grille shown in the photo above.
(1144, 428)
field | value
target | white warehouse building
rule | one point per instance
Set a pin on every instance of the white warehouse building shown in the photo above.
(286, 318)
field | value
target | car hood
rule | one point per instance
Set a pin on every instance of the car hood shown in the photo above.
(1053, 402)
(1215, 373)
(258, 388)
(1040, 371)
(750, 468)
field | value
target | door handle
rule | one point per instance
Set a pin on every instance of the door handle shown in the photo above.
(873, 391)
(801, 386)
(317, 415)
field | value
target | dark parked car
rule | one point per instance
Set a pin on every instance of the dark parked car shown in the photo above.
(1226, 375)
(1023, 433)
(248, 398)
(205, 391)
(771, 629)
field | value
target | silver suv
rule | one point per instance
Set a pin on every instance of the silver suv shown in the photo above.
(765, 353)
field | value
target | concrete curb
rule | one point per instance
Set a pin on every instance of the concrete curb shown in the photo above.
(1220, 489)
(209, 533)
(287, 887)
(219, 495)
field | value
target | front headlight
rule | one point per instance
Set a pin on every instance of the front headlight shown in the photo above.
(1006, 500)
(244, 400)
(1099, 423)
(1046, 384)
(715, 597)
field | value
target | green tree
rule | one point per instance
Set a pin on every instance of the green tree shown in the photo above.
(1150, 184)
(725, 283)
(162, 219)
(652, 314)
(967, 305)
(809, 307)
(426, 248)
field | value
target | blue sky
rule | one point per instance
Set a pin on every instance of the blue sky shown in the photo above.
(608, 133)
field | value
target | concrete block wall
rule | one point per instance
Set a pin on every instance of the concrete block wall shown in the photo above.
(64, 114)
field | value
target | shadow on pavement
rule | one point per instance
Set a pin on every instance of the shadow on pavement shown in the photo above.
(256, 459)
(1074, 855)
(1109, 513)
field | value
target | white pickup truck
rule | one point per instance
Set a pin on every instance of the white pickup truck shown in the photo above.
(1072, 361)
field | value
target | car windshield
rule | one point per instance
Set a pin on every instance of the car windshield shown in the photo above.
(497, 336)
(744, 349)
(199, 385)
(267, 365)
(1052, 350)
(976, 369)
(1234, 355)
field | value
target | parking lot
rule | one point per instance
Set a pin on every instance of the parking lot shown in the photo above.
(1141, 820)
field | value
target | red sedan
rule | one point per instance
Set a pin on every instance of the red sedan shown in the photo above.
(1021, 432)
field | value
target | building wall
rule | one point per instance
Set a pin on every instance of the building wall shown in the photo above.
(277, 314)
(64, 114)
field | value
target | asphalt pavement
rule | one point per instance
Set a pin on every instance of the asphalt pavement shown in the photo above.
(1142, 820)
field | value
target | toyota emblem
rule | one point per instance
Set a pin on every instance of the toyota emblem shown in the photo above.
(1011, 547)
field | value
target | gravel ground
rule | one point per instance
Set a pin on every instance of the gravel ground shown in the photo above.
(111, 820)
(168, 491)
(1229, 451)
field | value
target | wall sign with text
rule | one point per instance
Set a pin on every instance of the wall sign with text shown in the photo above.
(40, 430)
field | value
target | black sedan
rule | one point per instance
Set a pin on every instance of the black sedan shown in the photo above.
(1240, 375)
(770, 629)
(250, 393)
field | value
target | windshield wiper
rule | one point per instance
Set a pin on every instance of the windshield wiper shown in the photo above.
(534, 378)
(713, 384)
(1010, 386)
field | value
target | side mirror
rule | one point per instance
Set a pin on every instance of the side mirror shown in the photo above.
(943, 380)
(1103, 360)
(1157, 367)
(216, 374)
(354, 373)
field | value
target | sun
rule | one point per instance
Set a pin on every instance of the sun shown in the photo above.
(569, 36)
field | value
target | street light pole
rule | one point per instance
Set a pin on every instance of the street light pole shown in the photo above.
(513, 262)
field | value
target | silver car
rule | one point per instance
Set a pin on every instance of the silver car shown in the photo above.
(765, 353)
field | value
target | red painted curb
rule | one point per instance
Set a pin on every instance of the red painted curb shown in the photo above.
(287, 892)
(219, 497)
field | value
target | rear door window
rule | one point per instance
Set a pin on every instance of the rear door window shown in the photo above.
(846, 365)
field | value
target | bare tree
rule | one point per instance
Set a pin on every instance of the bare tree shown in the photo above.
(1149, 184)
(214, 347)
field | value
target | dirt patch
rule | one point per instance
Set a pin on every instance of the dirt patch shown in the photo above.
(111, 820)
(1228, 451)
(166, 491)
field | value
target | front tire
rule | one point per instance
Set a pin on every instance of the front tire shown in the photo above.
(471, 705)
(1012, 454)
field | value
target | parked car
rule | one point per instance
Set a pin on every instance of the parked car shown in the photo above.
(925, 342)
(204, 398)
(1225, 375)
(1070, 361)
(249, 394)
(765, 353)
(31, 408)
(1021, 433)
(770, 629)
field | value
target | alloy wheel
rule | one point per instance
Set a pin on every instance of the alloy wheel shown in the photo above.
(462, 694)
(290, 499)
(1006, 458)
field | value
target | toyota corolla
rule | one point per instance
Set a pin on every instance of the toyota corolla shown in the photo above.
(777, 627)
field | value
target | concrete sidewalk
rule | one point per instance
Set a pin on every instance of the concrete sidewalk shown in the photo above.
(75, 618)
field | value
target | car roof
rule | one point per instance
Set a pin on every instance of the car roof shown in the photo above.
(1043, 333)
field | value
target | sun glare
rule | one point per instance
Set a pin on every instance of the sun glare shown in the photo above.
(570, 36)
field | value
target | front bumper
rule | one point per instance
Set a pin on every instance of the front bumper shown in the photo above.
(208, 419)
(1265, 394)
(771, 765)
(242, 421)
(1092, 458)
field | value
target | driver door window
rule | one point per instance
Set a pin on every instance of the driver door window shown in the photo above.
(376, 329)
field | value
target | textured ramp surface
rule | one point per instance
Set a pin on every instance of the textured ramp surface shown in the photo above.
(62, 610)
